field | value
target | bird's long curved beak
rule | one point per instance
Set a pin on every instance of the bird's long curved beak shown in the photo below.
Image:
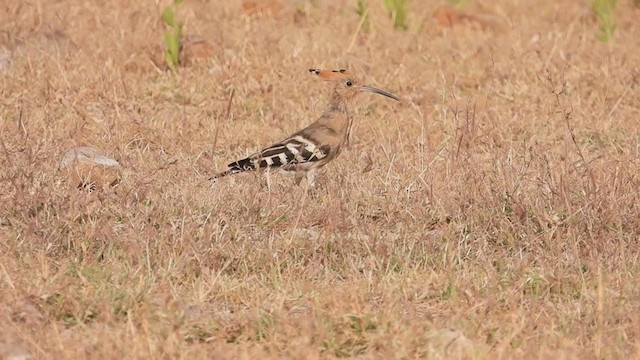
(379, 91)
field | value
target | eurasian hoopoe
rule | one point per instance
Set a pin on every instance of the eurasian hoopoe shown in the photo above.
(314, 146)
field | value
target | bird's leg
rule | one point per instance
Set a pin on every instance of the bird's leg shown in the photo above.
(298, 177)
(311, 178)
(267, 173)
(313, 187)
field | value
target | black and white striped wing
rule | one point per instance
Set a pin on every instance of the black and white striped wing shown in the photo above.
(294, 151)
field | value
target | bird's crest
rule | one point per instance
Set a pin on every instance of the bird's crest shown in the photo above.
(332, 74)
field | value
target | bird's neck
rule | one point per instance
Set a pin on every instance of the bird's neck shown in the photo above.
(338, 102)
(338, 119)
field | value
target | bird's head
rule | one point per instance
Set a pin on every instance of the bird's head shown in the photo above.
(347, 85)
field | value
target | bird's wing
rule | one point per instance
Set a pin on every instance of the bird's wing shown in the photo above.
(295, 150)
(298, 152)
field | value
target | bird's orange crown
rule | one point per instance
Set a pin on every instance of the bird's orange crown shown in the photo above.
(332, 74)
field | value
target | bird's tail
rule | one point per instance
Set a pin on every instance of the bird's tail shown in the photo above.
(236, 167)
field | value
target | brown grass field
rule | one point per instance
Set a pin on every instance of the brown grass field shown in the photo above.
(492, 213)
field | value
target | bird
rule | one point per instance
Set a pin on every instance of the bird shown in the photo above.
(311, 148)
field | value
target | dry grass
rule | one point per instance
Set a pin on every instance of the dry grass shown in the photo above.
(499, 200)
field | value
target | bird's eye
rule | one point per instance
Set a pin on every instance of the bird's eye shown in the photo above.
(349, 83)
